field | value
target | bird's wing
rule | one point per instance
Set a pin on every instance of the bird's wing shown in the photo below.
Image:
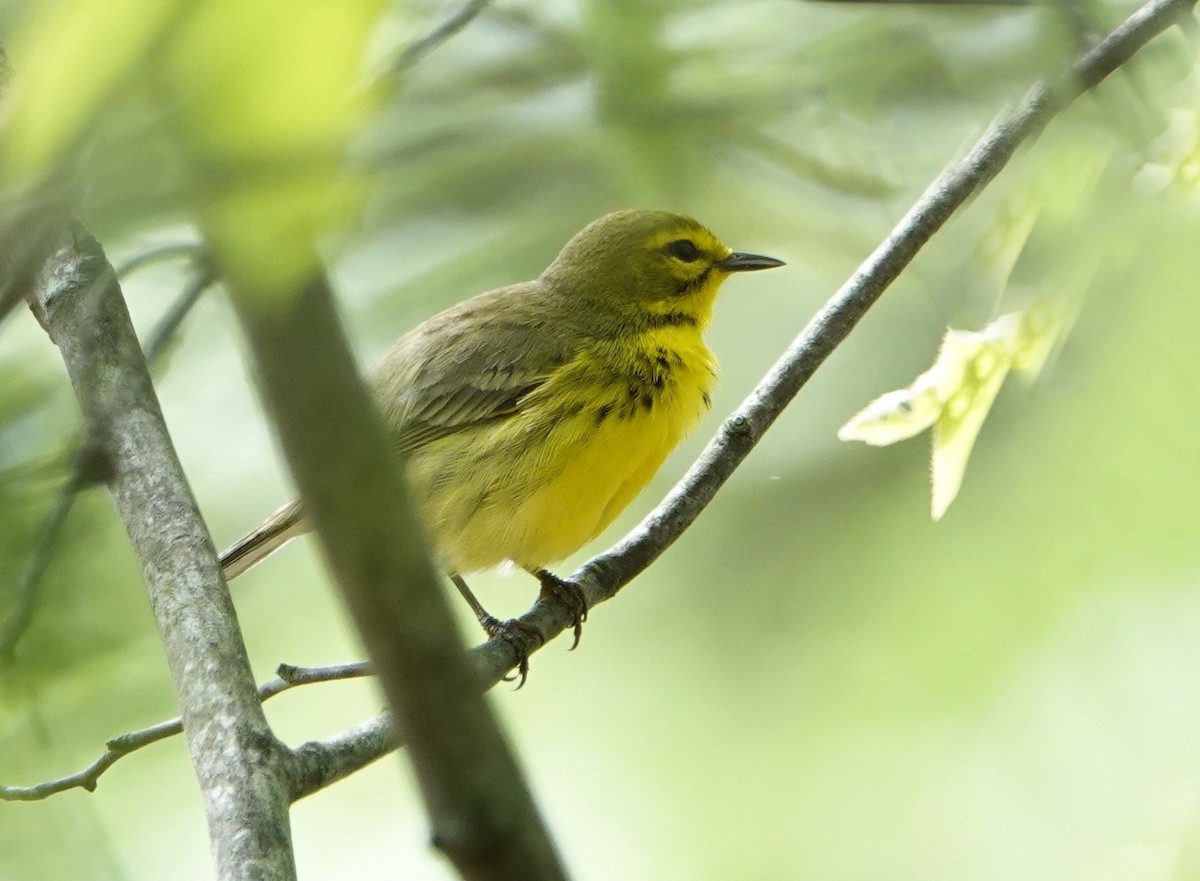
(475, 362)
(437, 411)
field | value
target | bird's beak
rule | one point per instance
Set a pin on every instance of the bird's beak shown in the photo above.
(739, 262)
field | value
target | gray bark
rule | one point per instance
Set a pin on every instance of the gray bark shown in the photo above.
(241, 767)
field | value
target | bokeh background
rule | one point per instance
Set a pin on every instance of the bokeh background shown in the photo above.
(816, 681)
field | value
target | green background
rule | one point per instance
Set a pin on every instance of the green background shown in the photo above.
(816, 681)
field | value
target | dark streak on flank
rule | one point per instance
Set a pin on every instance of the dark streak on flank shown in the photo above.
(574, 410)
(602, 414)
(663, 361)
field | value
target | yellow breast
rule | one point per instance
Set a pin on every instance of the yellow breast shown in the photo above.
(537, 486)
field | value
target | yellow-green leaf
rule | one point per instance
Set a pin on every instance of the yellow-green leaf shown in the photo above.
(957, 392)
(68, 56)
(269, 95)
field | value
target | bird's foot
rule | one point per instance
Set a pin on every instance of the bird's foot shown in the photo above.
(567, 592)
(515, 633)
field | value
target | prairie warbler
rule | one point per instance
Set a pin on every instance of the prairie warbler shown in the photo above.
(531, 415)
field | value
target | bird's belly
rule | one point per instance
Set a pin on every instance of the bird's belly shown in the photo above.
(536, 501)
(606, 471)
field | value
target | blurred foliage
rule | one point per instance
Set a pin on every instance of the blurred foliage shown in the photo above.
(816, 681)
(955, 395)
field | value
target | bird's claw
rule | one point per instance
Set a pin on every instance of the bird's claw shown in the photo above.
(570, 594)
(511, 632)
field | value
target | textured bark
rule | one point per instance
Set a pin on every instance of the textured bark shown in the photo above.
(240, 765)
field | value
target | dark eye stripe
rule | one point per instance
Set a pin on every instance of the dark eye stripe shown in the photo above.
(684, 249)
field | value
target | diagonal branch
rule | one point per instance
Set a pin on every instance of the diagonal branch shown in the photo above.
(322, 763)
(164, 332)
(603, 576)
(481, 811)
(418, 49)
(89, 466)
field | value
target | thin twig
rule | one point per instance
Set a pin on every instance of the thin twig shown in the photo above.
(194, 251)
(84, 472)
(163, 332)
(418, 49)
(29, 587)
(89, 467)
(289, 677)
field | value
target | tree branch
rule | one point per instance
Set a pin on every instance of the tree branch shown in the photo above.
(164, 332)
(417, 50)
(88, 778)
(89, 466)
(194, 251)
(479, 806)
(603, 576)
(322, 763)
(240, 765)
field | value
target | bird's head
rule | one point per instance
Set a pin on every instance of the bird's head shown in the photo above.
(652, 262)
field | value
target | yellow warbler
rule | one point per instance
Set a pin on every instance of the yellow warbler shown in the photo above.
(531, 415)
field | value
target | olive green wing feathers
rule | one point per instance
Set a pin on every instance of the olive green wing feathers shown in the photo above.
(437, 411)
(476, 362)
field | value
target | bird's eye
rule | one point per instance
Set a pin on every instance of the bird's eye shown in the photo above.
(684, 249)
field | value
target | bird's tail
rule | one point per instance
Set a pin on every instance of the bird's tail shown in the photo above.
(276, 531)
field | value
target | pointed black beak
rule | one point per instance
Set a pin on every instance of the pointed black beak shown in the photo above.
(739, 262)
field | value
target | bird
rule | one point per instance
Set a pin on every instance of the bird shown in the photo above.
(529, 416)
